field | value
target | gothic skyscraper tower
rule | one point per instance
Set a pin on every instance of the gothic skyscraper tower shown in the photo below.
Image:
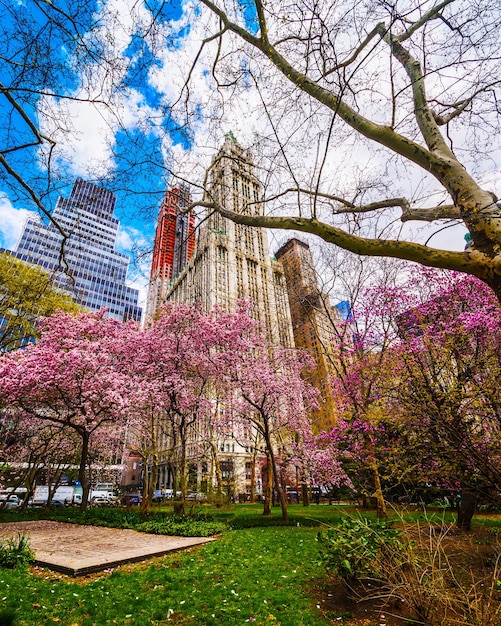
(318, 327)
(232, 261)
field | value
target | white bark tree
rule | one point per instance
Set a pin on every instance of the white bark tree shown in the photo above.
(418, 79)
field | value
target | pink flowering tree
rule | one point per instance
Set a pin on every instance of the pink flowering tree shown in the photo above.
(368, 453)
(360, 373)
(320, 462)
(69, 377)
(272, 398)
(177, 365)
(448, 365)
(432, 413)
(31, 450)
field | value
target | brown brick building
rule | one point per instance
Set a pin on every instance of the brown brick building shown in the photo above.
(316, 324)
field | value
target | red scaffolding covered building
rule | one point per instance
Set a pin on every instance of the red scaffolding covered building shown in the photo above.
(174, 244)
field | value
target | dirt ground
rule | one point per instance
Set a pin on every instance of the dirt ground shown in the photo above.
(452, 583)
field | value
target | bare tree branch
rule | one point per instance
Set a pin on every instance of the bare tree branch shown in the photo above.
(425, 214)
(432, 14)
(15, 105)
(355, 54)
(461, 105)
(432, 214)
(471, 261)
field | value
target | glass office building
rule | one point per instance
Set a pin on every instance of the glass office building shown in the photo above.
(79, 249)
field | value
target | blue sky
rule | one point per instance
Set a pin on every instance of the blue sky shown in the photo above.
(134, 168)
(127, 149)
(139, 126)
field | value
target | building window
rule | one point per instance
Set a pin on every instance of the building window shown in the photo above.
(222, 277)
(253, 285)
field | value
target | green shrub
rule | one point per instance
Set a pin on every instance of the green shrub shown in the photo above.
(182, 527)
(16, 553)
(113, 518)
(152, 521)
(353, 550)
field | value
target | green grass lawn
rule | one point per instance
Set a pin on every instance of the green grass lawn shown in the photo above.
(258, 575)
(256, 572)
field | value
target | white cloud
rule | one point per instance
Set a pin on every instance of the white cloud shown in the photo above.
(351, 168)
(12, 221)
(84, 125)
(124, 240)
(129, 240)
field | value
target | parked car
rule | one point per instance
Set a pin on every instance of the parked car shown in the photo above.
(132, 499)
(100, 501)
(197, 496)
(10, 502)
(36, 503)
(159, 495)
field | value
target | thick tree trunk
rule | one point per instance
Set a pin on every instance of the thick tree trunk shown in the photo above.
(183, 476)
(146, 483)
(268, 493)
(278, 485)
(466, 509)
(31, 480)
(217, 471)
(253, 475)
(218, 474)
(151, 476)
(305, 494)
(82, 470)
(154, 475)
(378, 492)
(150, 481)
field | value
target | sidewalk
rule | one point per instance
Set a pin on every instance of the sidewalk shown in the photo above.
(78, 550)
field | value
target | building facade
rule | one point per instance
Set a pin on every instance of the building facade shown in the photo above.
(84, 262)
(232, 262)
(173, 246)
(317, 325)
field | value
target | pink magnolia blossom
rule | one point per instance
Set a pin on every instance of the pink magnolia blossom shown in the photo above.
(69, 377)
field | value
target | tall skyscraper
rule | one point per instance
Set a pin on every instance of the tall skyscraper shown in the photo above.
(85, 263)
(317, 325)
(173, 247)
(232, 261)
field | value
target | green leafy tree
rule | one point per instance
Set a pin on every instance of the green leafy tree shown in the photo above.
(26, 294)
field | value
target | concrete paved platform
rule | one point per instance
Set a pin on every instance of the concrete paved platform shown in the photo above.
(78, 550)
